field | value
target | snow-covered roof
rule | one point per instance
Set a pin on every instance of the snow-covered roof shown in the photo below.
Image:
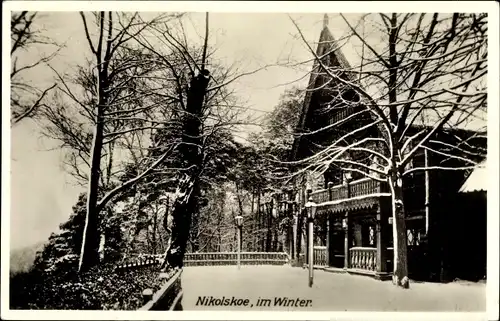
(477, 180)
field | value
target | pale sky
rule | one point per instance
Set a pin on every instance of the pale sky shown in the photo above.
(42, 194)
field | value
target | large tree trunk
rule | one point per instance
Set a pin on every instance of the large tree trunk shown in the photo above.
(400, 273)
(195, 227)
(182, 214)
(166, 215)
(89, 255)
(188, 190)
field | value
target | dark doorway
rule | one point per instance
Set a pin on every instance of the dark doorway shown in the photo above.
(337, 234)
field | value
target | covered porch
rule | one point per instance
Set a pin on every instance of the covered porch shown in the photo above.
(352, 228)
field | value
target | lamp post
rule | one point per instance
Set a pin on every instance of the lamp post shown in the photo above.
(239, 224)
(311, 211)
(345, 222)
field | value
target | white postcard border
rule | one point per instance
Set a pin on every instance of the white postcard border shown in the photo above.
(492, 286)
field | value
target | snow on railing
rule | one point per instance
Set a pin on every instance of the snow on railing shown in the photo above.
(140, 261)
(364, 258)
(319, 256)
(230, 258)
(365, 186)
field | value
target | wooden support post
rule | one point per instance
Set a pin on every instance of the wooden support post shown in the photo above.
(347, 239)
(347, 228)
(328, 227)
(327, 256)
(310, 242)
(308, 194)
(381, 230)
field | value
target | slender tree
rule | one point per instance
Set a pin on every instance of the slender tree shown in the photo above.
(109, 93)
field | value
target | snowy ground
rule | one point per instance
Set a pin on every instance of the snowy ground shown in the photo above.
(330, 292)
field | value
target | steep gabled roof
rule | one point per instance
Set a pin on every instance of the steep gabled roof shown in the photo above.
(332, 56)
(326, 43)
(335, 58)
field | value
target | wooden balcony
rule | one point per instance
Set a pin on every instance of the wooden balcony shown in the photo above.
(338, 115)
(365, 186)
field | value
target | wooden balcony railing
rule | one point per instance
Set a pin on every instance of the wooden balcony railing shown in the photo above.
(365, 186)
(339, 115)
(363, 258)
(319, 256)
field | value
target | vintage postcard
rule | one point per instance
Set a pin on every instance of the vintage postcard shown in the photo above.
(254, 160)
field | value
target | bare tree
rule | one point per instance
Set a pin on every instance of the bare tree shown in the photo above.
(188, 190)
(203, 110)
(25, 98)
(109, 92)
(422, 75)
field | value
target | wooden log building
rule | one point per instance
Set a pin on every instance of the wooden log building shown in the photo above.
(445, 218)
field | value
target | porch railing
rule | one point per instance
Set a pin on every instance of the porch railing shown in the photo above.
(319, 256)
(365, 186)
(363, 258)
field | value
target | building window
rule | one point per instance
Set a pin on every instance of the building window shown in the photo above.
(413, 237)
(409, 237)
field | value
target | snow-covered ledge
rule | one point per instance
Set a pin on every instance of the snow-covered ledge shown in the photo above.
(329, 203)
(356, 190)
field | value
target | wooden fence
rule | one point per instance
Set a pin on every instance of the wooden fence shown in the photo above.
(139, 263)
(231, 258)
(168, 298)
(170, 295)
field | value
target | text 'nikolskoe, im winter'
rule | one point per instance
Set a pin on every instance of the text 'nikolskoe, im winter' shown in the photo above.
(261, 302)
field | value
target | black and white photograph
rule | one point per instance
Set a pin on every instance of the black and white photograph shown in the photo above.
(223, 160)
